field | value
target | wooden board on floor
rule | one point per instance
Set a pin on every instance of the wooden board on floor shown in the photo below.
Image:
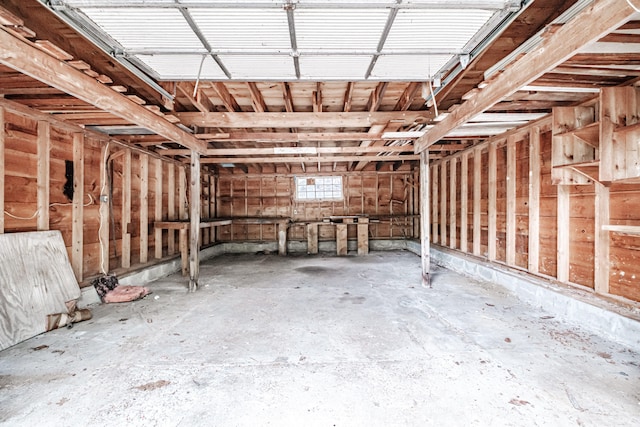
(36, 279)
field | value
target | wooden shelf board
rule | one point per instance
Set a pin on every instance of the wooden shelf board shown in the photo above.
(627, 229)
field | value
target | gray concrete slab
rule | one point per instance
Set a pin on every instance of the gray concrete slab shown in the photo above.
(321, 341)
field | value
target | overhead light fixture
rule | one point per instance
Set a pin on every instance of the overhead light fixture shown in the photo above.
(228, 165)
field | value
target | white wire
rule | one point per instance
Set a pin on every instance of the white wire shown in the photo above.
(634, 7)
(104, 184)
(91, 201)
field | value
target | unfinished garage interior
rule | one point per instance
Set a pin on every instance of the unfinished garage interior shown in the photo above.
(321, 212)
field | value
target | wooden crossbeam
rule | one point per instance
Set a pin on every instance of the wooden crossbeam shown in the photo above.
(303, 120)
(21, 56)
(293, 150)
(588, 26)
(308, 159)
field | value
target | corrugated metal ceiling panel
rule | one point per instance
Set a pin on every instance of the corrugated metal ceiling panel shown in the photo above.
(414, 67)
(146, 28)
(182, 67)
(334, 67)
(339, 28)
(259, 67)
(438, 29)
(243, 28)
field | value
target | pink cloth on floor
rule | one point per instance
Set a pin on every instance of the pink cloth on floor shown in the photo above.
(125, 294)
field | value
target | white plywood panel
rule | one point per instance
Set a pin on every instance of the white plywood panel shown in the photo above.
(36, 279)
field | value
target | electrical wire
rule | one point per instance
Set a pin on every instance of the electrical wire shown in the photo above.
(26, 218)
(435, 103)
(104, 183)
(634, 7)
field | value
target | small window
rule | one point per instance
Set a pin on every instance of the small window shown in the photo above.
(319, 188)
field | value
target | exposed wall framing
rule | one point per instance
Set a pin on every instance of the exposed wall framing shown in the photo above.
(531, 214)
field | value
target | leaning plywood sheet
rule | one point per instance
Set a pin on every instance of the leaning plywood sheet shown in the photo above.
(36, 280)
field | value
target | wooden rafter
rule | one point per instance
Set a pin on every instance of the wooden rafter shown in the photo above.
(348, 97)
(227, 99)
(589, 25)
(21, 56)
(256, 98)
(376, 96)
(288, 97)
(317, 98)
(407, 97)
(199, 100)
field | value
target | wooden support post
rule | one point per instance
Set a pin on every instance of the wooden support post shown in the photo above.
(158, 209)
(453, 211)
(464, 202)
(77, 210)
(341, 239)
(434, 207)
(212, 206)
(126, 211)
(511, 201)
(534, 200)
(363, 236)
(601, 241)
(312, 239)
(144, 208)
(282, 238)
(2, 137)
(492, 217)
(443, 203)
(171, 208)
(425, 244)
(182, 212)
(44, 146)
(564, 199)
(477, 215)
(103, 232)
(204, 237)
(194, 247)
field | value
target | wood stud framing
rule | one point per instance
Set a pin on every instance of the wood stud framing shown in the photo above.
(44, 147)
(77, 235)
(511, 201)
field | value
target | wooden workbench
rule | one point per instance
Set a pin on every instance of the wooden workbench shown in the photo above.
(341, 223)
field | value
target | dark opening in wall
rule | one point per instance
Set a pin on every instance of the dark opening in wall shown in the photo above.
(68, 185)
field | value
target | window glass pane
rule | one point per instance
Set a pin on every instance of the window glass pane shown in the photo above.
(319, 188)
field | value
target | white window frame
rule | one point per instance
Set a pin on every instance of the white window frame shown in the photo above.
(319, 188)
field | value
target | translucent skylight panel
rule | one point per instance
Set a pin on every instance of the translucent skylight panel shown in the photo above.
(146, 28)
(334, 67)
(345, 29)
(252, 29)
(415, 67)
(435, 29)
(259, 67)
(182, 67)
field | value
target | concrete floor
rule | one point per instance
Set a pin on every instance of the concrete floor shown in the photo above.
(320, 341)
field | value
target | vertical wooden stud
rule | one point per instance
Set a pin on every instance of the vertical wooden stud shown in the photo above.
(493, 172)
(443, 203)
(282, 238)
(214, 206)
(477, 218)
(434, 204)
(144, 208)
(511, 201)
(182, 212)
(157, 214)
(195, 205)
(534, 200)
(601, 240)
(425, 244)
(2, 137)
(564, 199)
(312, 238)
(341, 239)
(44, 146)
(103, 231)
(77, 209)
(171, 208)
(126, 211)
(464, 201)
(453, 211)
(363, 236)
